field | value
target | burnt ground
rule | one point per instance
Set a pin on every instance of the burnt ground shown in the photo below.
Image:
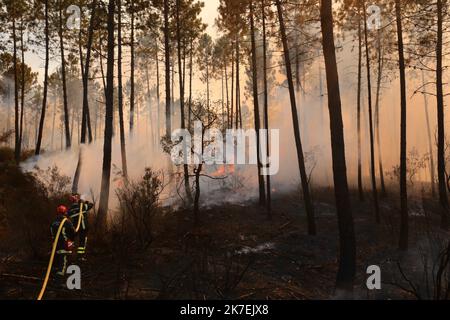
(238, 253)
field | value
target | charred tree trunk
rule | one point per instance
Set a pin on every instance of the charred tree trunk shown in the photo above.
(197, 172)
(167, 63)
(300, 157)
(76, 176)
(232, 91)
(86, 121)
(132, 66)
(102, 71)
(64, 83)
(107, 147)
(266, 106)
(347, 256)
(440, 121)
(85, 117)
(123, 150)
(191, 64)
(372, 140)
(208, 103)
(44, 100)
(377, 114)
(430, 143)
(158, 95)
(403, 242)
(16, 96)
(238, 89)
(181, 85)
(358, 103)
(22, 88)
(262, 192)
(227, 96)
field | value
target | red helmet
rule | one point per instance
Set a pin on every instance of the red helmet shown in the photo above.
(74, 198)
(61, 210)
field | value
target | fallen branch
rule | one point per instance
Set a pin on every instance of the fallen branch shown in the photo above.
(19, 276)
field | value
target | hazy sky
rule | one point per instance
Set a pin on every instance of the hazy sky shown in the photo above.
(209, 14)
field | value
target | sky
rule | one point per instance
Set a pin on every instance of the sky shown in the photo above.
(209, 14)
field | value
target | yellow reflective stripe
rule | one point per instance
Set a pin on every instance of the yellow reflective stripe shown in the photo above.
(50, 263)
(65, 262)
(64, 233)
(80, 219)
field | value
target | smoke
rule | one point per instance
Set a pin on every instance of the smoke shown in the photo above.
(240, 185)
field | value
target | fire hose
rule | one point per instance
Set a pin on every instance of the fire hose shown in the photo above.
(55, 245)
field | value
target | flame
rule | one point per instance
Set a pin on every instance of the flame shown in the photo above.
(223, 170)
(119, 183)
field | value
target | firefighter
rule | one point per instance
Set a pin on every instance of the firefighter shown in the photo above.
(65, 242)
(78, 206)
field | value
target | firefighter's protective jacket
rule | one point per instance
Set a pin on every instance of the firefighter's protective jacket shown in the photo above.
(74, 213)
(67, 234)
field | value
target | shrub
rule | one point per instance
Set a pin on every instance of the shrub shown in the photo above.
(27, 206)
(53, 182)
(139, 203)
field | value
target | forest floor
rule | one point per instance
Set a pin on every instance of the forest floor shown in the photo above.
(238, 253)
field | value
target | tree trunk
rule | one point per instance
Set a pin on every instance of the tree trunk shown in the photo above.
(123, 150)
(198, 170)
(403, 243)
(266, 107)
(301, 161)
(232, 91)
(430, 143)
(167, 63)
(158, 94)
(262, 192)
(172, 87)
(191, 65)
(109, 115)
(238, 91)
(440, 113)
(181, 85)
(85, 115)
(76, 176)
(16, 96)
(347, 256)
(132, 66)
(150, 115)
(22, 93)
(358, 103)
(44, 100)
(227, 96)
(377, 115)
(86, 123)
(372, 143)
(208, 104)
(64, 83)
(53, 122)
(297, 67)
